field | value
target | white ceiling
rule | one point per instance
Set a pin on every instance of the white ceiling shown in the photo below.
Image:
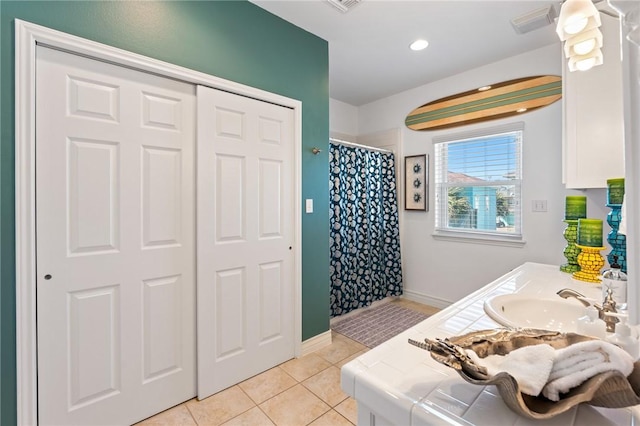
(369, 57)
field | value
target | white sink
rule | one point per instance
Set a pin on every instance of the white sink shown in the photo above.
(515, 310)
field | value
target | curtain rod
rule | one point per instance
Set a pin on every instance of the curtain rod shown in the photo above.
(373, 148)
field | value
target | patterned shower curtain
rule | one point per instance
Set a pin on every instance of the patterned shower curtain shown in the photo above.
(365, 236)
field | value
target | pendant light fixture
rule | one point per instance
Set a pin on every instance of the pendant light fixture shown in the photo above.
(575, 17)
(583, 43)
(578, 24)
(585, 62)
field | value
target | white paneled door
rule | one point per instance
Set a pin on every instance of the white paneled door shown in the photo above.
(245, 236)
(115, 194)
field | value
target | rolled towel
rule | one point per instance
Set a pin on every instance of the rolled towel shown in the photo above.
(577, 363)
(530, 366)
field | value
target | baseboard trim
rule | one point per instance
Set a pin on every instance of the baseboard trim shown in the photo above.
(426, 300)
(315, 343)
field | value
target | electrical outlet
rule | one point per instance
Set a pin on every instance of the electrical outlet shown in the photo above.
(539, 206)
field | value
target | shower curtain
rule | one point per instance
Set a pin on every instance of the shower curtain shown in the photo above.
(364, 236)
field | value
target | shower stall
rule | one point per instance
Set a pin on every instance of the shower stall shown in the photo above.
(365, 261)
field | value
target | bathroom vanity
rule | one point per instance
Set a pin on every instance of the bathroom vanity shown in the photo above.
(399, 384)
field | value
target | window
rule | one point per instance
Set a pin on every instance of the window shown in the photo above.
(477, 183)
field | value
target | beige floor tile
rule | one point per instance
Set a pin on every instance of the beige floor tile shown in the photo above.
(341, 337)
(326, 385)
(341, 347)
(305, 367)
(331, 418)
(337, 336)
(176, 416)
(253, 417)
(348, 409)
(293, 407)
(410, 304)
(351, 358)
(267, 384)
(220, 407)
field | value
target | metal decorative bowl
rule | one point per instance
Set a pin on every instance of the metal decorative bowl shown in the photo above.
(609, 389)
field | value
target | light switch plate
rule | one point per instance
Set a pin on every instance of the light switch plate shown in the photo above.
(309, 205)
(539, 205)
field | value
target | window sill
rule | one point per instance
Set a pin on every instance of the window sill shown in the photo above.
(468, 237)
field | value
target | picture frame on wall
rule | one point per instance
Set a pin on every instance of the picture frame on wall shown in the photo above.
(416, 183)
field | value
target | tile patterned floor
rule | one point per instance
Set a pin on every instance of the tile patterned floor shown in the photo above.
(303, 391)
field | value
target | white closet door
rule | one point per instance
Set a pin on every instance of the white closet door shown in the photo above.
(245, 234)
(115, 241)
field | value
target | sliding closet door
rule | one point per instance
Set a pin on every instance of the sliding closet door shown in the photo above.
(115, 241)
(245, 236)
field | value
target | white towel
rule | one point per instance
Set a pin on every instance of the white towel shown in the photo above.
(542, 369)
(578, 364)
(529, 365)
(572, 364)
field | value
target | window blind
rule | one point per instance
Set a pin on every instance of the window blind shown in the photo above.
(478, 182)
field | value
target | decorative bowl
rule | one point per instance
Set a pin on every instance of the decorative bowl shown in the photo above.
(609, 389)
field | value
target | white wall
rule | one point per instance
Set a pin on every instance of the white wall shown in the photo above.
(441, 272)
(343, 120)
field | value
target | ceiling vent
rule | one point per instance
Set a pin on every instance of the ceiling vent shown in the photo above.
(344, 5)
(535, 19)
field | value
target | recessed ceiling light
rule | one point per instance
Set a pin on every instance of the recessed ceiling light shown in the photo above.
(419, 44)
(483, 88)
(521, 110)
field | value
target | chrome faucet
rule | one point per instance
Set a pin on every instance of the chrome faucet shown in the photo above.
(565, 293)
(608, 306)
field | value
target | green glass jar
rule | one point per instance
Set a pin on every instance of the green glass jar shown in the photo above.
(615, 191)
(575, 207)
(590, 232)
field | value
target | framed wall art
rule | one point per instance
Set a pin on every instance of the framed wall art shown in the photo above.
(416, 185)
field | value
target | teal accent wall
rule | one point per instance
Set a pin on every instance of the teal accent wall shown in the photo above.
(235, 40)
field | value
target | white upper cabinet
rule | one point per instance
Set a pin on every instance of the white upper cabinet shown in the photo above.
(593, 130)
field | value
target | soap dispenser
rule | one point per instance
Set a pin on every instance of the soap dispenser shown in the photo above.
(623, 337)
(616, 280)
(591, 324)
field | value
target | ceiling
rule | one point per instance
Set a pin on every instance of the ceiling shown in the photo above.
(369, 55)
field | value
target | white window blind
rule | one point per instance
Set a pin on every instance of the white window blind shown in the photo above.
(478, 182)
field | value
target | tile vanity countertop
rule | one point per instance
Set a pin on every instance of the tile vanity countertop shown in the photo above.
(399, 384)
